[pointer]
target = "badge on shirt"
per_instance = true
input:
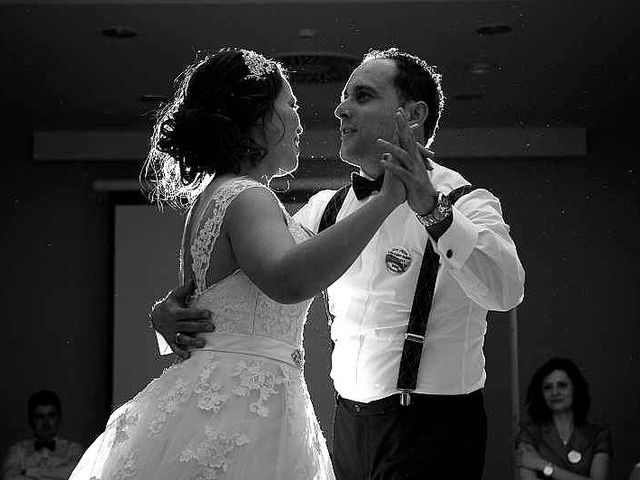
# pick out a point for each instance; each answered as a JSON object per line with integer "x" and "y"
{"x": 397, "y": 260}
{"x": 574, "y": 456}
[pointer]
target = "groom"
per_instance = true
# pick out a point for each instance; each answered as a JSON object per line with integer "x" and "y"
{"x": 409, "y": 403}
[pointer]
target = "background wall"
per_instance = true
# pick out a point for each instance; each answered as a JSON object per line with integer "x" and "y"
{"x": 575, "y": 221}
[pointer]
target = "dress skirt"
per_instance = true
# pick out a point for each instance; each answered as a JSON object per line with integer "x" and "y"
{"x": 217, "y": 415}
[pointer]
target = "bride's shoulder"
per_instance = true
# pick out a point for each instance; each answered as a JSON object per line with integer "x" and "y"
{"x": 234, "y": 185}
{"x": 242, "y": 194}
{"x": 220, "y": 192}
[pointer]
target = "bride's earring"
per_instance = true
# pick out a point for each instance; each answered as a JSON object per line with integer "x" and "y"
{"x": 287, "y": 188}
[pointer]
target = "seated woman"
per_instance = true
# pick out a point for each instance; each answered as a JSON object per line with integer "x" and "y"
{"x": 559, "y": 442}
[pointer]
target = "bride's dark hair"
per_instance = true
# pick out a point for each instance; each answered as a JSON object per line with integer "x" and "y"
{"x": 206, "y": 128}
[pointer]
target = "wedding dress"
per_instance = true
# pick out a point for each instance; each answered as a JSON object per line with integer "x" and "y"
{"x": 238, "y": 408}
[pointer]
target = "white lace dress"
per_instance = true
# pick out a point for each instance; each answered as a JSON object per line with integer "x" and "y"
{"x": 239, "y": 408}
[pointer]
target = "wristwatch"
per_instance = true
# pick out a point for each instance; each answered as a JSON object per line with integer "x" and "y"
{"x": 441, "y": 211}
{"x": 547, "y": 471}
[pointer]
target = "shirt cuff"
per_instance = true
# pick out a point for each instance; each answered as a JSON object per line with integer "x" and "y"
{"x": 458, "y": 241}
{"x": 163, "y": 346}
{"x": 437, "y": 230}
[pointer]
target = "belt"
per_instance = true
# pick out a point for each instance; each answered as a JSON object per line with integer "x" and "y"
{"x": 392, "y": 402}
{"x": 264, "y": 347}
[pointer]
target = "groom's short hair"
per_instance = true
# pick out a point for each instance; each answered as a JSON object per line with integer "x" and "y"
{"x": 415, "y": 80}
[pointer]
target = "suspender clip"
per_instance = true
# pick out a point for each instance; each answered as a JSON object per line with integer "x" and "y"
{"x": 414, "y": 338}
{"x": 405, "y": 398}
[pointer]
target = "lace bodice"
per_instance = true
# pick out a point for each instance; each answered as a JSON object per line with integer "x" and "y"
{"x": 237, "y": 304}
{"x": 236, "y": 409}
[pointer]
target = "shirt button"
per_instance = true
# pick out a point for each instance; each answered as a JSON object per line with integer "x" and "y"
{"x": 449, "y": 253}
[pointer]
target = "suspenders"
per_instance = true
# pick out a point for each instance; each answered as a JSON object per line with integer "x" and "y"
{"x": 419, "y": 315}
{"x": 421, "y": 307}
{"x": 329, "y": 218}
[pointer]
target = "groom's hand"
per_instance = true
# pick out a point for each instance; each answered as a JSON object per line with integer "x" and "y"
{"x": 413, "y": 164}
{"x": 178, "y": 323}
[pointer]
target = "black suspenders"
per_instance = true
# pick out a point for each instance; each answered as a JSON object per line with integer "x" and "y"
{"x": 419, "y": 315}
{"x": 421, "y": 307}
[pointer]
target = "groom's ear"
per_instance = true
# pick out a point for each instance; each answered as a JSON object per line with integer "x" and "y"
{"x": 417, "y": 112}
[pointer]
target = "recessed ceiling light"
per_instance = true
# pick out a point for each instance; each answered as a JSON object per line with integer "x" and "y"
{"x": 494, "y": 29}
{"x": 119, "y": 32}
{"x": 468, "y": 96}
{"x": 148, "y": 98}
{"x": 482, "y": 68}
{"x": 311, "y": 67}
{"x": 307, "y": 33}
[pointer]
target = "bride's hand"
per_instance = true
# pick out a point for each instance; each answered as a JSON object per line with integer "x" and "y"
{"x": 410, "y": 166}
{"x": 392, "y": 186}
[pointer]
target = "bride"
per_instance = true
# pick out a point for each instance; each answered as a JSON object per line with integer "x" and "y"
{"x": 238, "y": 408}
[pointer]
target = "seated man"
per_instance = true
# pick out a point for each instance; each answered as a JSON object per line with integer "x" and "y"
{"x": 45, "y": 456}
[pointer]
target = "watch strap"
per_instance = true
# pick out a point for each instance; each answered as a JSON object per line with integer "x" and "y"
{"x": 438, "y": 225}
{"x": 442, "y": 208}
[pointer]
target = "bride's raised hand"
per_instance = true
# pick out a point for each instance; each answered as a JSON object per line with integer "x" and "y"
{"x": 392, "y": 185}
{"x": 410, "y": 166}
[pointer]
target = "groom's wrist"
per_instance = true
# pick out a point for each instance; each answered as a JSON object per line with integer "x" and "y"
{"x": 439, "y": 220}
{"x": 428, "y": 206}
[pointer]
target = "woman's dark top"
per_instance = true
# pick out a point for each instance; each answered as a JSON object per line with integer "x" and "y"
{"x": 584, "y": 443}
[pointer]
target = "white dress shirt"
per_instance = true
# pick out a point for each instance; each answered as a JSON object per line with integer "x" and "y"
{"x": 24, "y": 462}
{"x": 479, "y": 271}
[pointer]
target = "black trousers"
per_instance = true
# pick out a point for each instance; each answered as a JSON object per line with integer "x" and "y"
{"x": 435, "y": 437}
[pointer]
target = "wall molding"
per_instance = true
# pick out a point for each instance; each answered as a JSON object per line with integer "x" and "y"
{"x": 497, "y": 142}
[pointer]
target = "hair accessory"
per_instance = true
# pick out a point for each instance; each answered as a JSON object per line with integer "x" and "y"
{"x": 258, "y": 65}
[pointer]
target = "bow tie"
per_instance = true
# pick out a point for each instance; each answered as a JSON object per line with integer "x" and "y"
{"x": 363, "y": 187}
{"x": 40, "y": 444}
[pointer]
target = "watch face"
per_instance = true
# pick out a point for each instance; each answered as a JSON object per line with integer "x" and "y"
{"x": 441, "y": 211}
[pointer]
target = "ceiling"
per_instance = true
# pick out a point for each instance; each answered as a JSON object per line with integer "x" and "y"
{"x": 565, "y": 63}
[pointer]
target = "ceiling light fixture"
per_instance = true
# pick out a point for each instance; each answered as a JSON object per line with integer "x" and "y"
{"x": 316, "y": 68}
{"x": 119, "y": 32}
{"x": 307, "y": 33}
{"x": 149, "y": 98}
{"x": 494, "y": 29}
{"x": 482, "y": 68}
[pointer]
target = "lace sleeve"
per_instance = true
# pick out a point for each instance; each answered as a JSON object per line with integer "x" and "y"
{"x": 209, "y": 224}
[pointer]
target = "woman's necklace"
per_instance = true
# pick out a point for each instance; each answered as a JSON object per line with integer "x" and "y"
{"x": 564, "y": 427}
{"x": 565, "y": 435}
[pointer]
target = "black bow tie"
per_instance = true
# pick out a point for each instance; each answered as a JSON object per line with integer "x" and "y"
{"x": 363, "y": 187}
{"x": 40, "y": 444}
